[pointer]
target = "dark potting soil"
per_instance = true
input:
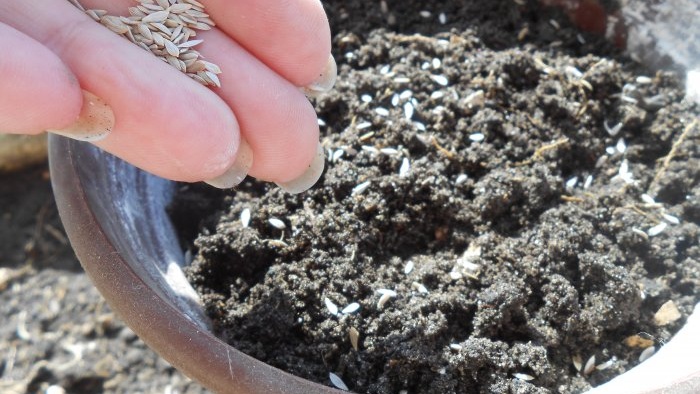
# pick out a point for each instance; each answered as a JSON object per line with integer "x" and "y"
{"x": 504, "y": 198}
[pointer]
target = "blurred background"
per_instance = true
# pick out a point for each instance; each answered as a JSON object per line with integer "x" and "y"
{"x": 57, "y": 334}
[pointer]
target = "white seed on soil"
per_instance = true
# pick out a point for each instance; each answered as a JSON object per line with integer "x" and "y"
{"x": 606, "y": 365}
{"x": 408, "y": 267}
{"x": 671, "y": 219}
{"x": 641, "y": 233}
{"x": 461, "y": 178}
{"x": 440, "y": 79}
{"x": 643, "y": 80}
{"x": 321, "y": 122}
{"x": 436, "y": 95}
{"x": 425, "y": 14}
{"x": 338, "y": 382}
{"x": 395, "y": 99}
{"x": 389, "y": 151}
{"x": 442, "y": 18}
{"x": 386, "y": 295}
{"x": 647, "y": 199}
{"x": 408, "y": 110}
{"x": 419, "y": 287}
{"x": 337, "y": 155}
{"x": 610, "y": 150}
{"x": 456, "y": 347}
{"x": 646, "y": 353}
{"x": 590, "y": 366}
{"x": 381, "y": 111}
{"x": 351, "y": 308}
{"x": 277, "y": 223}
{"x": 405, "y": 168}
{"x": 402, "y": 80}
{"x": 523, "y": 376}
{"x": 363, "y": 125}
{"x": 436, "y": 63}
{"x": 588, "y": 182}
{"x": 571, "y": 183}
{"x": 476, "y": 99}
{"x": 406, "y": 94}
{"x": 360, "y": 188}
{"x": 658, "y": 229}
{"x": 370, "y": 149}
{"x": 366, "y": 98}
{"x": 331, "y": 306}
{"x": 621, "y": 146}
{"x": 245, "y": 217}
{"x": 477, "y": 137}
{"x": 420, "y": 126}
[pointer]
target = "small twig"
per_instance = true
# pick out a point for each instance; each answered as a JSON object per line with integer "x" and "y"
{"x": 672, "y": 153}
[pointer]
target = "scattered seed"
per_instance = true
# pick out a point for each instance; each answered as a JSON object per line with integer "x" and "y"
{"x": 588, "y": 182}
{"x": 425, "y": 14}
{"x": 590, "y": 366}
{"x": 606, "y": 365}
{"x": 366, "y": 98}
{"x": 419, "y": 287}
{"x": 658, "y": 229}
{"x": 442, "y": 18}
{"x": 277, "y": 223}
{"x": 381, "y": 111}
{"x": 354, "y": 337}
{"x": 646, "y": 353}
{"x": 643, "y": 80}
{"x": 360, "y": 188}
{"x": 440, "y": 79}
{"x": 477, "y": 137}
{"x": 523, "y": 376}
{"x": 667, "y": 314}
{"x": 671, "y": 219}
{"x": 351, "y": 308}
{"x": 571, "y": 183}
{"x": 337, "y": 155}
{"x": 621, "y": 146}
{"x": 408, "y": 267}
{"x": 338, "y": 382}
{"x": 389, "y": 151}
{"x": 331, "y": 306}
{"x": 476, "y": 99}
{"x": 641, "y": 233}
{"x": 461, "y": 178}
{"x": 245, "y": 217}
{"x": 456, "y": 347}
{"x": 578, "y": 363}
{"x": 647, "y": 199}
{"x": 405, "y": 168}
{"x": 408, "y": 110}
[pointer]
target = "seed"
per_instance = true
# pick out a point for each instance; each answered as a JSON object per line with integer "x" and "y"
{"x": 354, "y": 337}
{"x": 578, "y": 363}
{"x": 523, "y": 376}
{"x": 456, "y": 347}
{"x": 332, "y": 307}
{"x": 440, "y": 79}
{"x": 590, "y": 366}
{"x": 405, "y": 168}
{"x": 360, "y": 188}
{"x": 245, "y": 217}
{"x": 338, "y": 382}
{"x": 408, "y": 267}
{"x": 658, "y": 229}
{"x": 277, "y": 223}
{"x": 351, "y": 308}
{"x": 671, "y": 219}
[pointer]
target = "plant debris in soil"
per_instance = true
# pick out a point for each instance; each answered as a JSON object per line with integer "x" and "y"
{"x": 507, "y": 204}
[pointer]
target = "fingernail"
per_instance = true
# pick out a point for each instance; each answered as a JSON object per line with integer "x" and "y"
{"x": 238, "y": 171}
{"x": 309, "y": 177}
{"x": 95, "y": 122}
{"x": 325, "y": 80}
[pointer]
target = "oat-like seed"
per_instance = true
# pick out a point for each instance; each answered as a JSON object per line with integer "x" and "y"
{"x": 338, "y": 382}
{"x": 351, "y": 308}
{"x": 440, "y": 79}
{"x": 658, "y": 229}
{"x": 647, "y": 199}
{"x": 590, "y": 366}
{"x": 419, "y": 287}
{"x": 332, "y": 307}
{"x": 245, "y": 217}
{"x": 354, "y": 337}
{"x": 477, "y": 137}
{"x": 523, "y": 376}
{"x": 578, "y": 363}
{"x": 606, "y": 365}
{"x": 360, "y": 188}
{"x": 456, "y": 347}
{"x": 671, "y": 219}
{"x": 383, "y": 300}
{"x": 277, "y": 223}
{"x": 408, "y": 267}
{"x": 156, "y": 17}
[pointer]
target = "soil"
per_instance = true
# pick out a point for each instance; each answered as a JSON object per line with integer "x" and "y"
{"x": 56, "y": 329}
{"x": 542, "y": 186}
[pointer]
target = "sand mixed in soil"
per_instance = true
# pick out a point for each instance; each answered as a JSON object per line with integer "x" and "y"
{"x": 504, "y": 198}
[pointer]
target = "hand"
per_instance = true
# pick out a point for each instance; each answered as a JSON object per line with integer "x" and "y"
{"x": 57, "y": 62}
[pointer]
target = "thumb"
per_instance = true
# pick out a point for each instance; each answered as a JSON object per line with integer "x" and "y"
{"x": 37, "y": 91}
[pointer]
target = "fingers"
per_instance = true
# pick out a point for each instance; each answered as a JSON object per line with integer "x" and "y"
{"x": 165, "y": 123}
{"x": 274, "y": 116}
{"x": 37, "y": 91}
{"x": 292, "y": 37}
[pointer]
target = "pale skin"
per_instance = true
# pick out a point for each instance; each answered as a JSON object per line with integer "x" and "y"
{"x": 166, "y": 123}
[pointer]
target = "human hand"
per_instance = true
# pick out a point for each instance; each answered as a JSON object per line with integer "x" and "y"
{"x": 164, "y": 122}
